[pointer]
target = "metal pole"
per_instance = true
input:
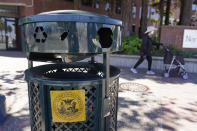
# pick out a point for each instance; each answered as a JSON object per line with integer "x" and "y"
{"x": 30, "y": 64}
{"x": 92, "y": 59}
{"x": 106, "y": 66}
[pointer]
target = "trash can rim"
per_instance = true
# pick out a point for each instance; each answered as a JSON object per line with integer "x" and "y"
{"x": 30, "y": 75}
{"x": 51, "y": 81}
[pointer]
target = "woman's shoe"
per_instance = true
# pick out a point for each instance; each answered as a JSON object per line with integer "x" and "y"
{"x": 150, "y": 72}
{"x": 134, "y": 70}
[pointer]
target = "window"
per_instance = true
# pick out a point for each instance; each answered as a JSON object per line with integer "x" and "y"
{"x": 148, "y": 15}
{"x": 194, "y": 7}
{"x": 148, "y": 12}
{"x": 134, "y": 11}
{"x": 91, "y": 3}
{"x": 133, "y": 27}
{"x": 87, "y": 2}
{"x": 154, "y": 14}
{"x": 107, "y": 6}
{"x": 140, "y": 14}
{"x": 118, "y": 6}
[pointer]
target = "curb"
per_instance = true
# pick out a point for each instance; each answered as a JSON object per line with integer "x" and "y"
{"x": 157, "y": 63}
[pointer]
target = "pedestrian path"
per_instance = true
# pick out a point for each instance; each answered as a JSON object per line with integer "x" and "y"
{"x": 150, "y": 103}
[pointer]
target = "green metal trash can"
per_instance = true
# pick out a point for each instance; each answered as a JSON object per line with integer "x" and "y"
{"x": 70, "y": 95}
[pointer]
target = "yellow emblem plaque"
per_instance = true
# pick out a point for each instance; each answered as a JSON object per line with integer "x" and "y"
{"x": 68, "y": 105}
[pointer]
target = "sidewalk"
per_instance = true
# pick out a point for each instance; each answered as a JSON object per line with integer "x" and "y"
{"x": 169, "y": 104}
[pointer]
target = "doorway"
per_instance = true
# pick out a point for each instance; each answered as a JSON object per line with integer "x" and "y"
{"x": 8, "y": 33}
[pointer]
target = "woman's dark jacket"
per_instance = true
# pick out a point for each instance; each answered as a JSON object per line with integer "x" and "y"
{"x": 147, "y": 43}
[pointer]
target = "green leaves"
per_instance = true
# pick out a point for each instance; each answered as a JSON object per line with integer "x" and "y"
{"x": 131, "y": 45}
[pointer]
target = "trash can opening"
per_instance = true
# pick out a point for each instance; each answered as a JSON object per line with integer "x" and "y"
{"x": 71, "y": 72}
{"x": 105, "y": 37}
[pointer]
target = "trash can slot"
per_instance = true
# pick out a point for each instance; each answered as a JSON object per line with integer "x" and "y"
{"x": 105, "y": 37}
{"x": 64, "y": 35}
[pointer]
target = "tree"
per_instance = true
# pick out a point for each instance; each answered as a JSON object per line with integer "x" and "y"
{"x": 159, "y": 4}
{"x": 185, "y": 12}
{"x": 112, "y": 8}
{"x": 161, "y": 10}
{"x": 77, "y": 4}
{"x": 168, "y": 5}
{"x": 126, "y": 11}
{"x": 143, "y": 21}
{"x": 1, "y": 29}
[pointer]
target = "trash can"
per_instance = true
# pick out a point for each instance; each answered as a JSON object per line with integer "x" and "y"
{"x": 68, "y": 94}
{"x": 2, "y": 109}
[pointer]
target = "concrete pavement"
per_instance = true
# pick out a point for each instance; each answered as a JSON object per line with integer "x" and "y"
{"x": 169, "y": 104}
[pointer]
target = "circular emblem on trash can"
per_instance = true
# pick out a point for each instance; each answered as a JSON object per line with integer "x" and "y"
{"x": 68, "y": 106}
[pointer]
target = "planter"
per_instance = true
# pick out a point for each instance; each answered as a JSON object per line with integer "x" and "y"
{"x": 130, "y": 60}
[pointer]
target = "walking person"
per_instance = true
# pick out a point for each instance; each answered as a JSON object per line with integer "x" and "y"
{"x": 145, "y": 50}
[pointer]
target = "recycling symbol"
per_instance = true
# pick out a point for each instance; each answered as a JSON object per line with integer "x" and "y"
{"x": 40, "y": 35}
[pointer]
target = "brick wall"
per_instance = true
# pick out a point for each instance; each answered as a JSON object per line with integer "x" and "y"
{"x": 174, "y": 35}
{"x": 27, "y": 2}
{"x": 50, "y": 5}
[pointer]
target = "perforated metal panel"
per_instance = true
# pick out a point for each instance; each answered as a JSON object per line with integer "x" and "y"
{"x": 114, "y": 102}
{"x": 35, "y": 109}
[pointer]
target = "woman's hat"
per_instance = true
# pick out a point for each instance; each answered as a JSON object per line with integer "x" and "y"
{"x": 150, "y": 28}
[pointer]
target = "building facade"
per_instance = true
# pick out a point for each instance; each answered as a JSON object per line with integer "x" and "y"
{"x": 12, "y": 10}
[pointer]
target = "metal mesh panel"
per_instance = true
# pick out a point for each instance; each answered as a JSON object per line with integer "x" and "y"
{"x": 114, "y": 102}
{"x": 91, "y": 112}
{"x": 35, "y": 109}
{"x": 68, "y": 73}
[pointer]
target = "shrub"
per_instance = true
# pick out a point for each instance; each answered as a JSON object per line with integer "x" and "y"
{"x": 131, "y": 45}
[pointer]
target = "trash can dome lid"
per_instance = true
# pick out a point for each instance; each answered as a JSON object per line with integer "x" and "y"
{"x": 71, "y": 16}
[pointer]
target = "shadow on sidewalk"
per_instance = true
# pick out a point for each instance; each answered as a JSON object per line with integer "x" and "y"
{"x": 12, "y": 123}
{"x": 145, "y": 112}
{"x": 11, "y": 78}
{"x": 18, "y": 54}
{"x": 158, "y": 77}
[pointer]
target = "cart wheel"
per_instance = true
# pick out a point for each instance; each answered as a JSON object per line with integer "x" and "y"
{"x": 185, "y": 76}
{"x": 166, "y": 75}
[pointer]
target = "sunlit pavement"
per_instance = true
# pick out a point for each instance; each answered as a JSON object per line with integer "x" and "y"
{"x": 169, "y": 104}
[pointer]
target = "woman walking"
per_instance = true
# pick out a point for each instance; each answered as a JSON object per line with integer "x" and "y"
{"x": 145, "y": 50}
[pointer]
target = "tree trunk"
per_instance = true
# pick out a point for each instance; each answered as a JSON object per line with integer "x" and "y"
{"x": 181, "y": 11}
{"x": 112, "y": 8}
{"x": 101, "y": 4}
{"x": 126, "y": 9}
{"x": 186, "y": 12}
{"x": 76, "y": 4}
{"x": 143, "y": 21}
{"x": 161, "y": 10}
{"x": 168, "y": 5}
